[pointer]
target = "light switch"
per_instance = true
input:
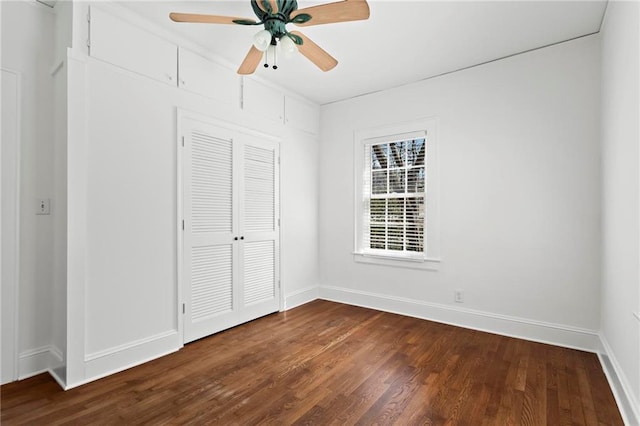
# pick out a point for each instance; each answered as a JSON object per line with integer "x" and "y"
{"x": 44, "y": 206}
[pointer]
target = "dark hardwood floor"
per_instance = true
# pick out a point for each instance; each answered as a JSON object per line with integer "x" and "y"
{"x": 328, "y": 363}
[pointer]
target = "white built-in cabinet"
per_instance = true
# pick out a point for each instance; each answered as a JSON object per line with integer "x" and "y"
{"x": 211, "y": 215}
{"x": 231, "y": 241}
{"x": 127, "y": 46}
{"x": 268, "y": 102}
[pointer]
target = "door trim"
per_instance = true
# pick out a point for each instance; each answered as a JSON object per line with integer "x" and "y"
{"x": 181, "y": 115}
{"x": 15, "y": 290}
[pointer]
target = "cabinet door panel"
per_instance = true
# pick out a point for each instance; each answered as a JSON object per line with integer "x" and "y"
{"x": 302, "y": 115}
{"x": 262, "y": 100}
{"x": 204, "y": 77}
{"x": 122, "y": 44}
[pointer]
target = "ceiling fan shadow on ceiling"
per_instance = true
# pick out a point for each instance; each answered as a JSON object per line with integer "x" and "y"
{"x": 274, "y": 15}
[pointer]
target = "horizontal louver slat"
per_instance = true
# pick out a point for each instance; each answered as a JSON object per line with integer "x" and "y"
{"x": 211, "y": 281}
{"x": 259, "y": 272}
{"x": 259, "y": 198}
{"x": 211, "y": 183}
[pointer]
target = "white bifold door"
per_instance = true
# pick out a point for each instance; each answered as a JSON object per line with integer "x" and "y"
{"x": 231, "y": 240}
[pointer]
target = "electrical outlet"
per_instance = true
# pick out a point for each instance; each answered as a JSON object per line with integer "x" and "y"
{"x": 458, "y": 296}
{"x": 44, "y": 206}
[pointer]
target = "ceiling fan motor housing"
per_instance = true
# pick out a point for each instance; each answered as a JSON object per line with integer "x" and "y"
{"x": 275, "y": 21}
{"x": 264, "y": 8}
{"x": 275, "y": 25}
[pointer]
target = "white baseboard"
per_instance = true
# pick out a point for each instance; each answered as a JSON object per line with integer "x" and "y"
{"x": 124, "y": 347}
{"x": 113, "y": 360}
{"x": 522, "y": 328}
{"x": 300, "y": 297}
{"x": 60, "y": 375}
{"x": 622, "y": 391}
{"x": 38, "y": 360}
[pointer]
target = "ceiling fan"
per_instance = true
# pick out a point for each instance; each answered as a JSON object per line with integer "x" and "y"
{"x": 275, "y": 15}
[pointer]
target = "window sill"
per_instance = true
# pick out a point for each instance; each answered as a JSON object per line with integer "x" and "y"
{"x": 430, "y": 264}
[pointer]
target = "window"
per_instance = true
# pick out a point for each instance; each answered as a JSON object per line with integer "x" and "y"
{"x": 397, "y": 196}
{"x": 394, "y": 196}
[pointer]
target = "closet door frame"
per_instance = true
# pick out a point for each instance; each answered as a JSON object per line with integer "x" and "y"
{"x": 181, "y": 115}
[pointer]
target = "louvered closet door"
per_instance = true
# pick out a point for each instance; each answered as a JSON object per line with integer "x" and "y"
{"x": 210, "y": 251}
{"x": 231, "y": 231}
{"x": 259, "y": 213}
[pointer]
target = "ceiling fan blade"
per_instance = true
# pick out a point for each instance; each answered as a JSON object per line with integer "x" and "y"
{"x": 315, "y": 53}
{"x": 251, "y": 61}
{"x": 342, "y": 11}
{"x": 206, "y": 19}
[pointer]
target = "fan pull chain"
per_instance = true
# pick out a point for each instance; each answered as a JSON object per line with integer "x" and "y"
{"x": 275, "y": 58}
{"x": 272, "y": 48}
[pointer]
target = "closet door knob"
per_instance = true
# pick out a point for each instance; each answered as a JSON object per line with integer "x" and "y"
{"x": 242, "y": 238}
{"x": 235, "y": 238}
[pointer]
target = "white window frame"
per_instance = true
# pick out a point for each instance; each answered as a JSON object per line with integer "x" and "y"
{"x": 430, "y": 259}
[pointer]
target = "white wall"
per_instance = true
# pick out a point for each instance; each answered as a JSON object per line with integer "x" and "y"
{"x": 621, "y": 196}
{"x": 519, "y": 197}
{"x": 27, "y": 46}
{"x": 9, "y": 194}
{"x": 299, "y": 208}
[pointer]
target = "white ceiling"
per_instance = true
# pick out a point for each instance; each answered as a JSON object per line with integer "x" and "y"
{"x": 402, "y": 42}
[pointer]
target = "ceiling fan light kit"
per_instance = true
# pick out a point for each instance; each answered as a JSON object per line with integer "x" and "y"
{"x": 274, "y": 15}
{"x": 288, "y": 47}
{"x": 262, "y": 40}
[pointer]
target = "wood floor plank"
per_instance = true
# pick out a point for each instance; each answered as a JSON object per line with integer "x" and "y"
{"x": 327, "y": 363}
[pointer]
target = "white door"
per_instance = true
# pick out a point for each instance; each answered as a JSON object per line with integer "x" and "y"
{"x": 9, "y": 230}
{"x": 231, "y": 238}
{"x": 259, "y": 228}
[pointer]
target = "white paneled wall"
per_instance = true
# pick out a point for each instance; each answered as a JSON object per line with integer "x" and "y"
{"x": 130, "y": 309}
{"x": 131, "y": 195}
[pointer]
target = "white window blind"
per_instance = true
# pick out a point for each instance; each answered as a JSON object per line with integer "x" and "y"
{"x": 394, "y": 193}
